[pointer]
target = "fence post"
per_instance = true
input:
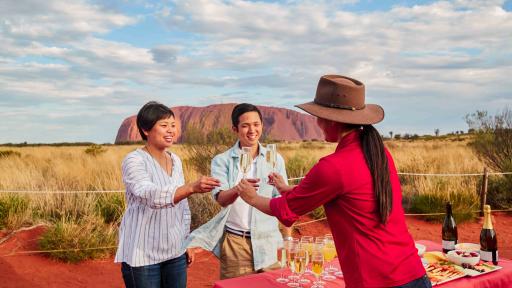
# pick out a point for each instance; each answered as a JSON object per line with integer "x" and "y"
{"x": 483, "y": 191}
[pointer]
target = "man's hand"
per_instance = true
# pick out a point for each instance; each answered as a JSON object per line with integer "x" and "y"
{"x": 191, "y": 255}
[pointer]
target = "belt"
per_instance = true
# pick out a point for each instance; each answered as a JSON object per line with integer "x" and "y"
{"x": 245, "y": 234}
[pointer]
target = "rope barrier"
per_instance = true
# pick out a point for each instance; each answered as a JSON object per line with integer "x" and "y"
{"x": 57, "y": 250}
{"x": 289, "y": 179}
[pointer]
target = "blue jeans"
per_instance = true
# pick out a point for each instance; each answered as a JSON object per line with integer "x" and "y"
{"x": 421, "y": 282}
{"x": 169, "y": 274}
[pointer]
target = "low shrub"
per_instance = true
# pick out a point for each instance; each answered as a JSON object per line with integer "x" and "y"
{"x": 203, "y": 208}
{"x": 499, "y": 192}
{"x": 111, "y": 207}
{"x": 299, "y": 164}
{"x": 95, "y": 150}
{"x": 12, "y": 209}
{"x": 79, "y": 238}
{"x": 464, "y": 205}
{"x": 9, "y": 153}
{"x": 318, "y": 213}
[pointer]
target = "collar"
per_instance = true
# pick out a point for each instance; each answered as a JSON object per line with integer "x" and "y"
{"x": 235, "y": 150}
{"x": 348, "y": 139}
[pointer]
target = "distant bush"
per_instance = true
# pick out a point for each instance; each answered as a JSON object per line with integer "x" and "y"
{"x": 493, "y": 145}
{"x": 81, "y": 235}
{"x": 299, "y": 164}
{"x": 464, "y": 204}
{"x": 12, "y": 206}
{"x": 203, "y": 208}
{"x": 95, "y": 150}
{"x": 9, "y": 153}
{"x": 318, "y": 213}
{"x": 111, "y": 207}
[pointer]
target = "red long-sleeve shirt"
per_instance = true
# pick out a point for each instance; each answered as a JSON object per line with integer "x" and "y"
{"x": 370, "y": 254}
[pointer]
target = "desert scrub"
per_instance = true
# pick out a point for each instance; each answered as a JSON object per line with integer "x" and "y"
{"x": 95, "y": 150}
{"x": 110, "y": 207}
{"x": 464, "y": 205}
{"x": 9, "y": 153}
{"x": 13, "y": 210}
{"x": 203, "y": 208}
{"x": 79, "y": 238}
{"x": 299, "y": 164}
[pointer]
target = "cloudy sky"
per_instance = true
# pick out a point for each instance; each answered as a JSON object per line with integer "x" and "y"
{"x": 73, "y": 70}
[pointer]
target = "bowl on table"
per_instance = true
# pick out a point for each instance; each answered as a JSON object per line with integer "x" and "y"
{"x": 460, "y": 257}
{"x": 468, "y": 247}
{"x": 421, "y": 248}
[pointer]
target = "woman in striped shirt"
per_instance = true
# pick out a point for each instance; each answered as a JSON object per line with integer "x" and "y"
{"x": 157, "y": 218}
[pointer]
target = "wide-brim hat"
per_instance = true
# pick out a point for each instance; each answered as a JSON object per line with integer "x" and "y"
{"x": 342, "y": 99}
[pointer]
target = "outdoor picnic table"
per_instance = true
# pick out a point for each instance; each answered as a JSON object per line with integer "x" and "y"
{"x": 498, "y": 279}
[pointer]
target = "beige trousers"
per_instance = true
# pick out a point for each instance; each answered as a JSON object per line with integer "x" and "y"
{"x": 235, "y": 256}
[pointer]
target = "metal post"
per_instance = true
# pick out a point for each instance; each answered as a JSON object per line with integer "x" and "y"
{"x": 483, "y": 191}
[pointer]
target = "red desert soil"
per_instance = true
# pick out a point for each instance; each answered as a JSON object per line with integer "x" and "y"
{"x": 37, "y": 270}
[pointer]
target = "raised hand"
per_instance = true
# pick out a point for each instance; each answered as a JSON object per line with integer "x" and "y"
{"x": 246, "y": 188}
{"x": 278, "y": 181}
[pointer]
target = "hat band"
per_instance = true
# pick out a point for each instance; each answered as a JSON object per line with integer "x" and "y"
{"x": 337, "y": 106}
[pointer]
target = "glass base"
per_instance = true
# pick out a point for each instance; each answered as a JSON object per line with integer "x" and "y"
{"x": 293, "y": 277}
{"x": 282, "y": 280}
{"x": 338, "y": 274}
{"x": 293, "y": 284}
{"x": 329, "y": 278}
{"x": 304, "y": 281}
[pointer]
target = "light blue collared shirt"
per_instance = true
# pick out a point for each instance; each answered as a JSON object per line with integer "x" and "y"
{"x": 265, "y": 234}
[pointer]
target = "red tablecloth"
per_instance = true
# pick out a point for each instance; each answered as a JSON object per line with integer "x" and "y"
{"x": 498, "y": 279}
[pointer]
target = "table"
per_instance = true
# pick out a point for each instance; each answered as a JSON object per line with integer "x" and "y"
{"x": 498, "y": 279}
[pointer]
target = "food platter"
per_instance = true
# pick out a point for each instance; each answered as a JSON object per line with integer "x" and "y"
{"x": 443, "y": 272}
{"x": 481, "y": 269}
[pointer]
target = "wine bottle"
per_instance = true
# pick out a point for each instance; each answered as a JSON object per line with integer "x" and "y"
{"x": 488, "y": 240}
{"x": 449, "y": 232}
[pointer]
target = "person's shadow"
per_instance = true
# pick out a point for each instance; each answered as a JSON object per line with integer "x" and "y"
{"x": 9, "y": 278}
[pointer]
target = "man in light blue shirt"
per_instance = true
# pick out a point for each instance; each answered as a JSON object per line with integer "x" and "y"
{"x": 244, "y": 238}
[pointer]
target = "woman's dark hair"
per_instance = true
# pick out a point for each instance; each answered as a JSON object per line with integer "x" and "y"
{"x": 149, "y": 114}
{"x": 242, "y": 108}
{"x": 375, "y": 155}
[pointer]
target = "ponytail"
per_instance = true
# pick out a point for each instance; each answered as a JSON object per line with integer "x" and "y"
{"x": 375, "y": 155}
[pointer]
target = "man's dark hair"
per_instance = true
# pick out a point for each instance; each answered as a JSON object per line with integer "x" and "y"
{"x": 242, "y": 108}
{"x": 149, "y": 114}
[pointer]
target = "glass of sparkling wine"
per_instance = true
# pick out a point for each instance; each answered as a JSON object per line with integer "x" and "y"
{"x": 300, "y": 264}
{"x": 317, "y": 261}
{"x": 329, "y": 253}
{"x": 271, "y": 157}
{"x": 329, "y": 242}
{"x": 281, "y": 258}
{"x": 307, "y": 243}
{"x": 245, "y": 161}
{"x": 292, "y": 251}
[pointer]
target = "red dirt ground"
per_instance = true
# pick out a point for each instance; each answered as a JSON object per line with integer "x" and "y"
{"x": 39, "y": 271}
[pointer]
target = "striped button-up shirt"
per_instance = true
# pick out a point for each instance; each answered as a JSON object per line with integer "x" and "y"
{"x": 153, "y": 227}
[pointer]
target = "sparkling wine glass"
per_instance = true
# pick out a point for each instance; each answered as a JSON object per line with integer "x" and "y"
{"x": 307, "y": 243}
{"x": 329, "y": 253}
{"x": 293, "y": 246}
{"x": 317, "y": 264}
{"x": 300, "y": 264}
{"x": 245, "y": 161}
{"x": 271, "y": 158}
{"x": 329, "y": 242}
{"x": 281, "y": 258}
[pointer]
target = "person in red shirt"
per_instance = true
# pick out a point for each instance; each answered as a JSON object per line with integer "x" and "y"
{"x": 359, "y": 188}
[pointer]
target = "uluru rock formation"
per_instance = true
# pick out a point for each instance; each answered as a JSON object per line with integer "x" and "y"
{"x": 278, "y": 123}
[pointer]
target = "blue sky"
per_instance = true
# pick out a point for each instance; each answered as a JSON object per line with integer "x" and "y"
{"x": 73, "y": 70}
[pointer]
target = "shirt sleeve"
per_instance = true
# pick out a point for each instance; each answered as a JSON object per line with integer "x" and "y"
{"x": 321, "y": 185}
{"x": 220, "y": 170}
{"x": 138, "y": 181}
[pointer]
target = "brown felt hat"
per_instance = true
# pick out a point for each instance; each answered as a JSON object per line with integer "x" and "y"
{"x": 341, "y": 99}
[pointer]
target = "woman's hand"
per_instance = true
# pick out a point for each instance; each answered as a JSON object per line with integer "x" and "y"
{"x": 277, "y": 181}
{"x": 205, "y": 184}
{"x": 246, "y": 188}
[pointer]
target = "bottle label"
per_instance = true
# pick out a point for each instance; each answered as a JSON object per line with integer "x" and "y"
{"x": 448, "y": 245}
{"x": 487, "y": 256}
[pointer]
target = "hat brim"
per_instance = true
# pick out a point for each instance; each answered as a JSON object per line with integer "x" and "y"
{"x": 370, "y": 114}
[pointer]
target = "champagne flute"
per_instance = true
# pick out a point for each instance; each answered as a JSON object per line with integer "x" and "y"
{"x": 271, "y": 157}
{"x": 281, "y": 258}
{"x": 329, "y": 241}
{"x": 300, "y": 264}
{"x": 317, "y": 260}
{"x": 292, "y": 250}
{"x": 329, "y": 252}
{"x": 307, "y": 243}
{"x": 245, "y": 161}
